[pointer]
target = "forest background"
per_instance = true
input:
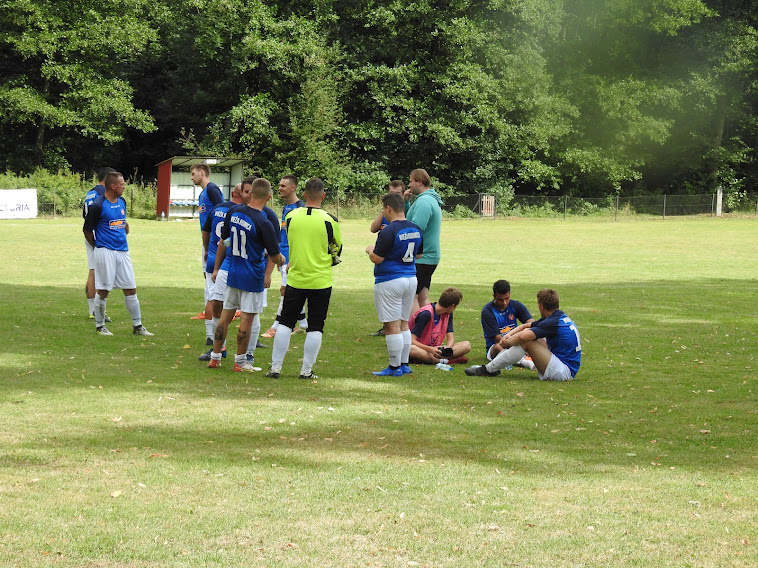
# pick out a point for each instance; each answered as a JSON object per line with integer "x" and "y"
{"x": 576, "y": 97}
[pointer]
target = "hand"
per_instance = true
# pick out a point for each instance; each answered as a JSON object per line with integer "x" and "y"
{"x": 213, "y": 276}
{"x": 369, "y": 249}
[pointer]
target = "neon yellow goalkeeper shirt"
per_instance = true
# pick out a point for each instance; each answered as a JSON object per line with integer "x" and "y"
{"x": 315, "y": 245}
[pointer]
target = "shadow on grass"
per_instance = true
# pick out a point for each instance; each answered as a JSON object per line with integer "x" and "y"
{"x": 622, "y": 411}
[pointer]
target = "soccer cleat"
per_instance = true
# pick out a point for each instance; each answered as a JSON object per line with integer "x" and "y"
{"x": 92, "y": 316}
{"x": 208, "y": 341}
{"x": 260, "y": 345}
{"x": 102, "y": 331}
{"x": 480, "y": 371}
{"x": 389, "y": 372}
{"x": 140, "y": 330}
{"x": 379, "y": 333}
{"x": 244, "y": 368}
{"x": 200, "y": 316}
{"x": 271, "y": 332}
{"x": 406, "y": 369}
{"x": 309, "y": 376}
{"x": 298, "y": 330}
{"x": 272, "y": 374}
{"x": 207, "y": 355}
{"x": 107, "y": 319}
{"x": 214, "y": 364}
{"x": 457, "y": 360}
{"x": 249, "y": 358}
{"x": 527, "y": 363}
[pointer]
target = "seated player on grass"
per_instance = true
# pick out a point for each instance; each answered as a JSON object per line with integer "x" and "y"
{"x": 432, "y": 337}
{"x": 552, "y": 341}
{"x": 500, "y": 316}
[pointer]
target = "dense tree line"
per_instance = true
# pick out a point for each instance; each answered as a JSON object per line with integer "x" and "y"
{"x": 582, "y": 97}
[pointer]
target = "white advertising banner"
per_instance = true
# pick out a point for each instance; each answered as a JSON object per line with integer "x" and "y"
{"x": 18, "y": 203}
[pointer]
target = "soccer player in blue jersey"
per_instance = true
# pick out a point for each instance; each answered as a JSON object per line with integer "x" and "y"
{"x": 209, "y": 197}
{"x": 245, "y": 235}
{"x": 394, "y": 256}
{"x": 89, "y": 198}
{"x": 211, "y": 236}
{"x": 553, "y": 342}
{"x": 288, "y": 193}
{"x": 500, "y": 316}
{"x": 395, "y": 186}
{"x": 105, "y": 228}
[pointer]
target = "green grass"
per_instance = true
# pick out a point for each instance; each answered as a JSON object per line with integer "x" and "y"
{"x": 127, "y": 451}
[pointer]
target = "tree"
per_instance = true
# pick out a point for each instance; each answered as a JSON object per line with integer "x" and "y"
{"x": 62, "y": 75}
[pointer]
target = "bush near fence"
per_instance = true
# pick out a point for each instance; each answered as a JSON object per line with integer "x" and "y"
{"x": 62, "y": 194}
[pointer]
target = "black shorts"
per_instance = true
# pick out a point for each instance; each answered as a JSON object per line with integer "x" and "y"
{"x": 424, "y": 276}
{"x": 318, "y": 306}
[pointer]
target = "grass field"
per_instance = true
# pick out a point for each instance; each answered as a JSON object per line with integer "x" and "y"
{"x": 127, "y": 452}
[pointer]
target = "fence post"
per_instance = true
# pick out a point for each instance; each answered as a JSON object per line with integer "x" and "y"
{"x": 54, "y": 203}
{"x": 664, "y": 206}
{"x": 719, "y": 200}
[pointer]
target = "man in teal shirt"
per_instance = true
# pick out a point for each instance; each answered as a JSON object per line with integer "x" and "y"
{"x": 425, "y": 212}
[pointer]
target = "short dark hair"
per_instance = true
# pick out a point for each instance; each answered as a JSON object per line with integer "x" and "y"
{"x": 397, "y": 183}
{"x": 111, "y": 178}
{"x": 261, "y": 188}
{"x": 292, "y": 179}
{"x": 501, "y": 287}
{"x": 102, "y": 172}
{"x": 203, "y": 168}
{"x": 450, "y": 297}
{"x": 394, "y": 201}
{"x": 249, "y": 180}
{"x": 548, "y": 298}
{"x": 314, "y": 187}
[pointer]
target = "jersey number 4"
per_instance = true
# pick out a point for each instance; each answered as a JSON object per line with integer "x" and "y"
{"x": 409, "y": 256}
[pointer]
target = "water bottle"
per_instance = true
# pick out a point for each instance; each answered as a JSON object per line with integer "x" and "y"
{"x": 444, "y": 367}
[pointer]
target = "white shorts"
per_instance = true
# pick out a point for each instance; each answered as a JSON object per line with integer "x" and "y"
{"x": 209, "y": 285}
{"x": 283, "y": 271}
{"x": 394, "y": 299}
{"x": 219, "y": 286}
{"x": 248, "y": 302}
{"x": 556, "y": 370}
{"x": 113, "y": 269}
{"x": 90, "y": 255}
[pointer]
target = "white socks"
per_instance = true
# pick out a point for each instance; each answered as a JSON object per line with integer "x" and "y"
{"x": 406, "y": 353}
{"x": 255, "y": 331}
{"x": 506, "y": 358}
{"x": 395, "y": 348}
{"x": 99, "y": 310}
{"x": 132, "y": 306}
{"x": 279, "y": 349}
{"x": 311, "y": 347}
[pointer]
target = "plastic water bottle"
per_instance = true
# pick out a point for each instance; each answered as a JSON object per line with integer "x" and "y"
{"x": 444, "y": 367}
{"x": 509, "y": 367}
{"x": 163, "y": 215}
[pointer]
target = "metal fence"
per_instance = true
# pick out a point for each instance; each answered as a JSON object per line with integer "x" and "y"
{"x": 363, "y": 204}
{"x": 357, "y": 204}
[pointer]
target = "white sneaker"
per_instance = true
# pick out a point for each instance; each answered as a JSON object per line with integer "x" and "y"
{"x": 140, "y": 330}
{"x": 102, "y": 330}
